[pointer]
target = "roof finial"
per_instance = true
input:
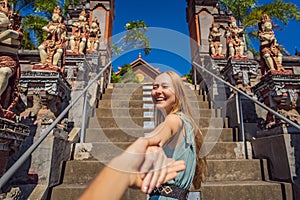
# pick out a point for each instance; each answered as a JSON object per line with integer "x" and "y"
{"x": 140, "y": 55}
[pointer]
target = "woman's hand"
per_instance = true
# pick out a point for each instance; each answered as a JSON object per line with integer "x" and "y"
{"x": 147, "y": 164}
{"x": 158, "y": 169}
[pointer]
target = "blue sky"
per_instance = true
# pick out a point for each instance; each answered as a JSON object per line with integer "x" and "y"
{"x": 168, "y": 32}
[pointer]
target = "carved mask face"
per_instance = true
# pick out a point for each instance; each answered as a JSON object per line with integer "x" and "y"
{"x": 4, "y": 21}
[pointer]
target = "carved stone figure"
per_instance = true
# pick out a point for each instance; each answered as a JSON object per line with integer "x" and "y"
{"x": 215, "y": 45}
{"x": 272, "y": 58}
{"x": 234, "y": 39}
{"x": 94, "y": 36}
{"x": 10, "y": 40}
{"x": 53, "y": 48}
{"x": 79, "y": 36}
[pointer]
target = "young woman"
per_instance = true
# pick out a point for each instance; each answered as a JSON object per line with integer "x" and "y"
{"x": 179, "y": 136}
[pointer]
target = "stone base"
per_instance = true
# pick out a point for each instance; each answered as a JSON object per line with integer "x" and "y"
{"x": 275, "y": 72}
{"x": 46, "y": 67}
{"x": 282, "y": 154}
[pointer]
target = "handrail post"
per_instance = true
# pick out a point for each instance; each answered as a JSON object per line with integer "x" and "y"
{"x": 195, "y": 78}
{"x": 242, "y": 129}
{"x": 83, "y": 122}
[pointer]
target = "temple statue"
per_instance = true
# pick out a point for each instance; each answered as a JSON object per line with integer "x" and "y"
{"x": 10, "y": 40}
{"x": 94, "y": 36}
{"x": 79, "y": 36}
{"x": 234, "y": 39}
{"x": 53, "y": 48}
{"x": 215, "y": 45}
{"x": 272, "y": 58}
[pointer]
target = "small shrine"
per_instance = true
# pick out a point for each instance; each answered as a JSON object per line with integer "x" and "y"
{"x": 227, "y": 50}
{"x": 12, "y": 133}
{"x": 278, "y": 88}
{"x": 47, "y": 91}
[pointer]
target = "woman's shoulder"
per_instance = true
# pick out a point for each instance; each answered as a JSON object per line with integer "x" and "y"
{"x": 174, "y": 121}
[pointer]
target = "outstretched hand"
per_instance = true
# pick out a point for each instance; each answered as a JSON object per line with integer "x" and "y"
{"x": 148, "y": 165}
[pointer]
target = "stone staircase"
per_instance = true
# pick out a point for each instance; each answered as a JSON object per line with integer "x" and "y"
{"x": 124, "y": 113}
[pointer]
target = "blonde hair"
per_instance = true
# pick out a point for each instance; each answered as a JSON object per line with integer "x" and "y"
{"x": 182, "y": 105}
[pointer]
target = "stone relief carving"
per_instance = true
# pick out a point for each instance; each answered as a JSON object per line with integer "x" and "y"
{"x": 53, "y": 48}
{"x": 234, "y": 40}
{"x": 271, "y": 55}
{"x": 215, "y": 45}
{"x": 80, "y": 29}
{"x": 94, "y": 36}
{"x": 10, "y": 40}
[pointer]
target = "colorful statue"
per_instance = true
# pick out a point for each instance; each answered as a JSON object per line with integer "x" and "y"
{"x": 234, "y": 39}
{"x": 79, "y": 34}
{"x": 215, "y": 45}
{"x": 94, "y": 36}
{"x": 10, "y": 40}
{"x": 53, "y": 48}
{"x": 272, "y": 58}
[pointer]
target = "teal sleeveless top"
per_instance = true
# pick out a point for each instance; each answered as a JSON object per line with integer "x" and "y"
{"x": 186, "y": 151}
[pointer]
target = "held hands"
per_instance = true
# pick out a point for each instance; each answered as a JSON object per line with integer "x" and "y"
{"x": 147, "y": 164}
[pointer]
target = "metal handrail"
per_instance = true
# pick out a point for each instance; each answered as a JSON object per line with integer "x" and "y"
{"x": 46, "y": 132}
{"x": 249, "y": 97}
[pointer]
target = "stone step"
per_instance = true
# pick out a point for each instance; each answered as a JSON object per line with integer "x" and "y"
{"x": 135, "y": 96}
{"x": 105, "y": 151}
{"x": 226, "y": 150}
{"x": 140, "y": 122}
{"x": 131, "y": 134}
{"x": 73, "y": 192}
{"x": 246, "y": 190}
{"x": 82, "y": 172}
{"x": 225, "y": 190}
{"x": 139, "y": 104}
{"x": 140, "y": 112}
{"x": 237, "y": 170}
{"x": 140, "y": 90}
{"x": 122, "y": 85}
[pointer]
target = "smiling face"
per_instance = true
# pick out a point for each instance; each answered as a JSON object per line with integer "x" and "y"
{"x": 163, "y": 94}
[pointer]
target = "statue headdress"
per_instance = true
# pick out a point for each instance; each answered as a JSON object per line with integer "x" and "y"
{"x": 57, "y": 10}
{"x": 265, "y": 18}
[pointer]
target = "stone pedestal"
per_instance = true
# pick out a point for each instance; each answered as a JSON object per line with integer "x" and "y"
{"x": 12, "y": 134}
{"x": 240, "y": 73}
{"x": 45, "y": 93}
{"x": 282, "y": 153}
{"x": 279, "y": 91}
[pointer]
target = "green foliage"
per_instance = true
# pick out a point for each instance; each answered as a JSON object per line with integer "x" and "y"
{"x": 189, "y": 77}
{"x": 69, "y": 2}
{"x": 35, "y": 23}
{"x": 135, "y": 37}
{"x": 125, "y": 75}
{"x": 115, "y": 78}
{"x": 45, "y": 6}
{"x": 248, "y": 13}
{"x": 26, "y": 42}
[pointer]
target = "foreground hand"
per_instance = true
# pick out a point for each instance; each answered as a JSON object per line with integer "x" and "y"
{"x": 147, "y": 164}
